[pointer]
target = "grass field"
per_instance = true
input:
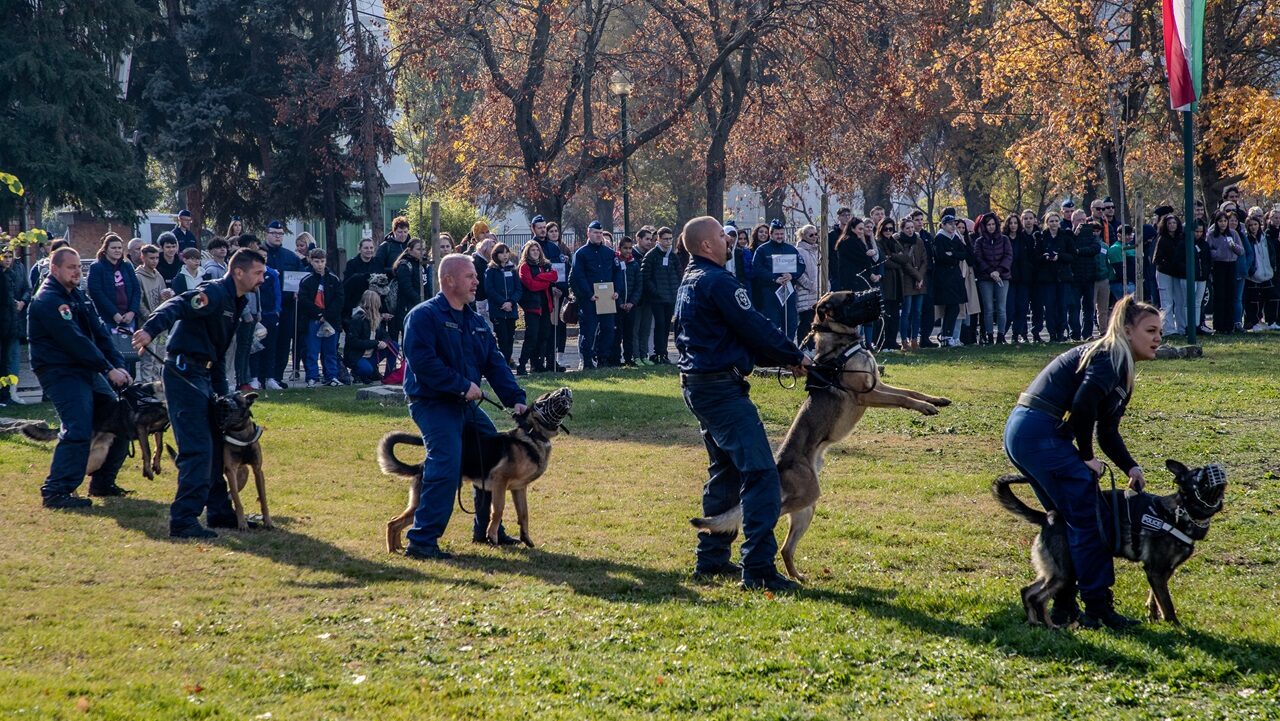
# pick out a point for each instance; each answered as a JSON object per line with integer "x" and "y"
{"x": 911, "y": 610}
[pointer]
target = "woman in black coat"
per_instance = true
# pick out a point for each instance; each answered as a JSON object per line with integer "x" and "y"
{"x": 1054, "y": 252}
{"x": 949, "y": 291}
{"x": 1022, "y": 285}
{"x": 368, "y": 343}
{"x": 409, "y": 281}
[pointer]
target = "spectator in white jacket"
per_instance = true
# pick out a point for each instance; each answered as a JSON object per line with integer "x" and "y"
{"x": 807, "y": 282}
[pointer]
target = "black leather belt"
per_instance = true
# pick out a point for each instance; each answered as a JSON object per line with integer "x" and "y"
{"x": 1037, "y": 403}
{"x": 183, "y": 362}
{"x": 691, "y": 379}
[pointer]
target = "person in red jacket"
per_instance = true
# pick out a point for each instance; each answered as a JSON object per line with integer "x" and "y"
{"x": 537, "y": 277}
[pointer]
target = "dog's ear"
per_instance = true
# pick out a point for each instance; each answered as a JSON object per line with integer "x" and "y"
{"x": 250, "y": 397}
{"x": 1177, "y": 469}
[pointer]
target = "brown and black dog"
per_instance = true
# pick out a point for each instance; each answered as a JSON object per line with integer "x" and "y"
{"x": 241, "y": 451}
{"x": 842, "y": 384}
{"x": 1157, "y": 531}
{"x": 509, "y": 461}
{"x": 140, "y": 414}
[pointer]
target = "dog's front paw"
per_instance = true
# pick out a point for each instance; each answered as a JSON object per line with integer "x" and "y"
{"x": 266, "y": 522}
{"x": 941, "y": 402}
{"x": 928, "y": 410}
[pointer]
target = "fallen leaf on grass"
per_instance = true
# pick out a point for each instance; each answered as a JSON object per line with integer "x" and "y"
{"x": 193, "y": 688}
{"x": 82, "y": 705}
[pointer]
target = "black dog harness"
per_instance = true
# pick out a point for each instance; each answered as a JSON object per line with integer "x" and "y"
{"x": 828, "y": 374}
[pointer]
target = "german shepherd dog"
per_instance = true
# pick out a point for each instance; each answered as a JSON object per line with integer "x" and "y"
{"x": 1157, "y": 531}
{"x": 241, "y": 451}
{"x": 140, "y": 414}
{"x": 509, "y": 461}
{"x": 843, "y": 383}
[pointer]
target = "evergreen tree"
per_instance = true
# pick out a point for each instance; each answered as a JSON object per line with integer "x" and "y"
{"x": 63, "y": 114}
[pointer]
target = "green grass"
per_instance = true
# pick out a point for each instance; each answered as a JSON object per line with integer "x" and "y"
{"x": 911, "y": 610}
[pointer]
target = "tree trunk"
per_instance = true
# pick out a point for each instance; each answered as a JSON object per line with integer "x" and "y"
{"x": 977, "y": 199}
{"x": 1111, "y": 172}
{"x": 331, "y": 220}
{"x": 774, "y": 203}
{"x": 551, "y": 207}
{"x": 604, "y": 211}
{"x": 876, "y": 191}
{"x": 715, "y": 185}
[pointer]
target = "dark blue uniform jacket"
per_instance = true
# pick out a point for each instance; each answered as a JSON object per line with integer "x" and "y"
{"x": 203, "y": 321}
{"x": 66, "y": 332}
{"x": 447, "y": 350}
{"x": 594, "y": 263}
{"x": 717, "y": 329}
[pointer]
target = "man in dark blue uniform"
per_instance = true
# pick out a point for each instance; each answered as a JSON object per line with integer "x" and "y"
{"x": 204, "y": 323}
{"x": 594, "y": 263}
{"x": 720, "y": 337}
{"x": 447, "y": 348}
{"x": 71, "y": 351}
{"x": 282, "y": 335}
{"x": 186, "y": 239}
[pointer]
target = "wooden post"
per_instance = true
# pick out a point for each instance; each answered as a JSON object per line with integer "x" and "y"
{"x": 824, "y": 263}
{"x": 435, "y": 235}
{"x": 1139, "y": 213}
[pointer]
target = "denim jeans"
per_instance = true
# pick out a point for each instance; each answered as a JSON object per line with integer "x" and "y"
{"x": 909, "y": 317}
{"x": 992, "y": 295}
{"x": 325, "y": 349}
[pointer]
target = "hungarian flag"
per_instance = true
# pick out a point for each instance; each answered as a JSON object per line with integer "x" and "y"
{"x": 1184, "y": 50}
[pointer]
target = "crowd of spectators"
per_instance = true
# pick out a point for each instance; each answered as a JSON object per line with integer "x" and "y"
{"x": 1024, "y": 279}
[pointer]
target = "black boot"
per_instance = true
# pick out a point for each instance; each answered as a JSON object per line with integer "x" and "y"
{"x": 1101, "y": 611}
{"x": 1000, "y": 339}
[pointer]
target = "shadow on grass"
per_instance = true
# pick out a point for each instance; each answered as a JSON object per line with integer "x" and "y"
{"x": 600, "y": 578}
{"x": 279, "y": 545}
{"x": 1007, "y": 629}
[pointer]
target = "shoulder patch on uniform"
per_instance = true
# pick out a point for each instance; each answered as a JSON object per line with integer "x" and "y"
{"x": 64, "y": 310}
{"x": 744, "y": 300}
{"x": 199, "y": 300}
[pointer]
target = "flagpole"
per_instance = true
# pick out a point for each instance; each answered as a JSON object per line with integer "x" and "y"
{"x": 1193, "y": 310}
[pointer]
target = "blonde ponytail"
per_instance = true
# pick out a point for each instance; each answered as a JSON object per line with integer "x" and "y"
{"x": 1127, "y": 312}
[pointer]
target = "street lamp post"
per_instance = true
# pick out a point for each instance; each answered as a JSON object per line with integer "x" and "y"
{"x": 620, "y": 85}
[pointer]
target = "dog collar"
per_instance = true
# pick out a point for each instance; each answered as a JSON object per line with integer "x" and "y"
{"x": 257, "y": 433}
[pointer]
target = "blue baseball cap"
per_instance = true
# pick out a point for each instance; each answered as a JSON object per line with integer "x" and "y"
{"x": 184, "y": 213}
{"x": 275, "y": 225}
{"x": 948, "y": 219}
{"x": 537, "y": 219}
{"x": 775, "y": 224}
{"x": 595, "y": 225}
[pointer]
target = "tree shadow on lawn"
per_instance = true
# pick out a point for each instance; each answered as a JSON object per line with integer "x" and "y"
{"x": 600, "y": 578}
{"x": 280, "y": 545}
{"x": 1007, "y": 629}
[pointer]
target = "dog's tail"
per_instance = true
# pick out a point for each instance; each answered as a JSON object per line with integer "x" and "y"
{"x": 387, "y": 460}
{"x": 726, "y": 522}
{"x": 173, "y": 455}
{"x": 38, "y": 432}
{"x": 1011, "y": 503}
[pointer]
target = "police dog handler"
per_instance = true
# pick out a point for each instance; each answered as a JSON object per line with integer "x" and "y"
{"x": 447, "y": 348}
{"x": 720, "y": 337}
{"x": 1049, "y": 439}
{"x": 204, "y": 322}
{"x": 72, "y": 356}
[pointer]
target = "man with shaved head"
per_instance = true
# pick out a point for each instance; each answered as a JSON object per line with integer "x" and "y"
{"x": 720, "y": 338}
{"x": 448, "y": 348}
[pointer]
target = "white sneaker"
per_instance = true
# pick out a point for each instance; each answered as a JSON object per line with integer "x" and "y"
{"x": 1260, "y": 327}
{"x": 254, "y": 384}
{"x": 312, "y": 383}
{"x": 273, "y": 386}
{"x": 954, "y": 343}
{"x": 1274, "y": 326}
{"x": 334, "y": 383}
